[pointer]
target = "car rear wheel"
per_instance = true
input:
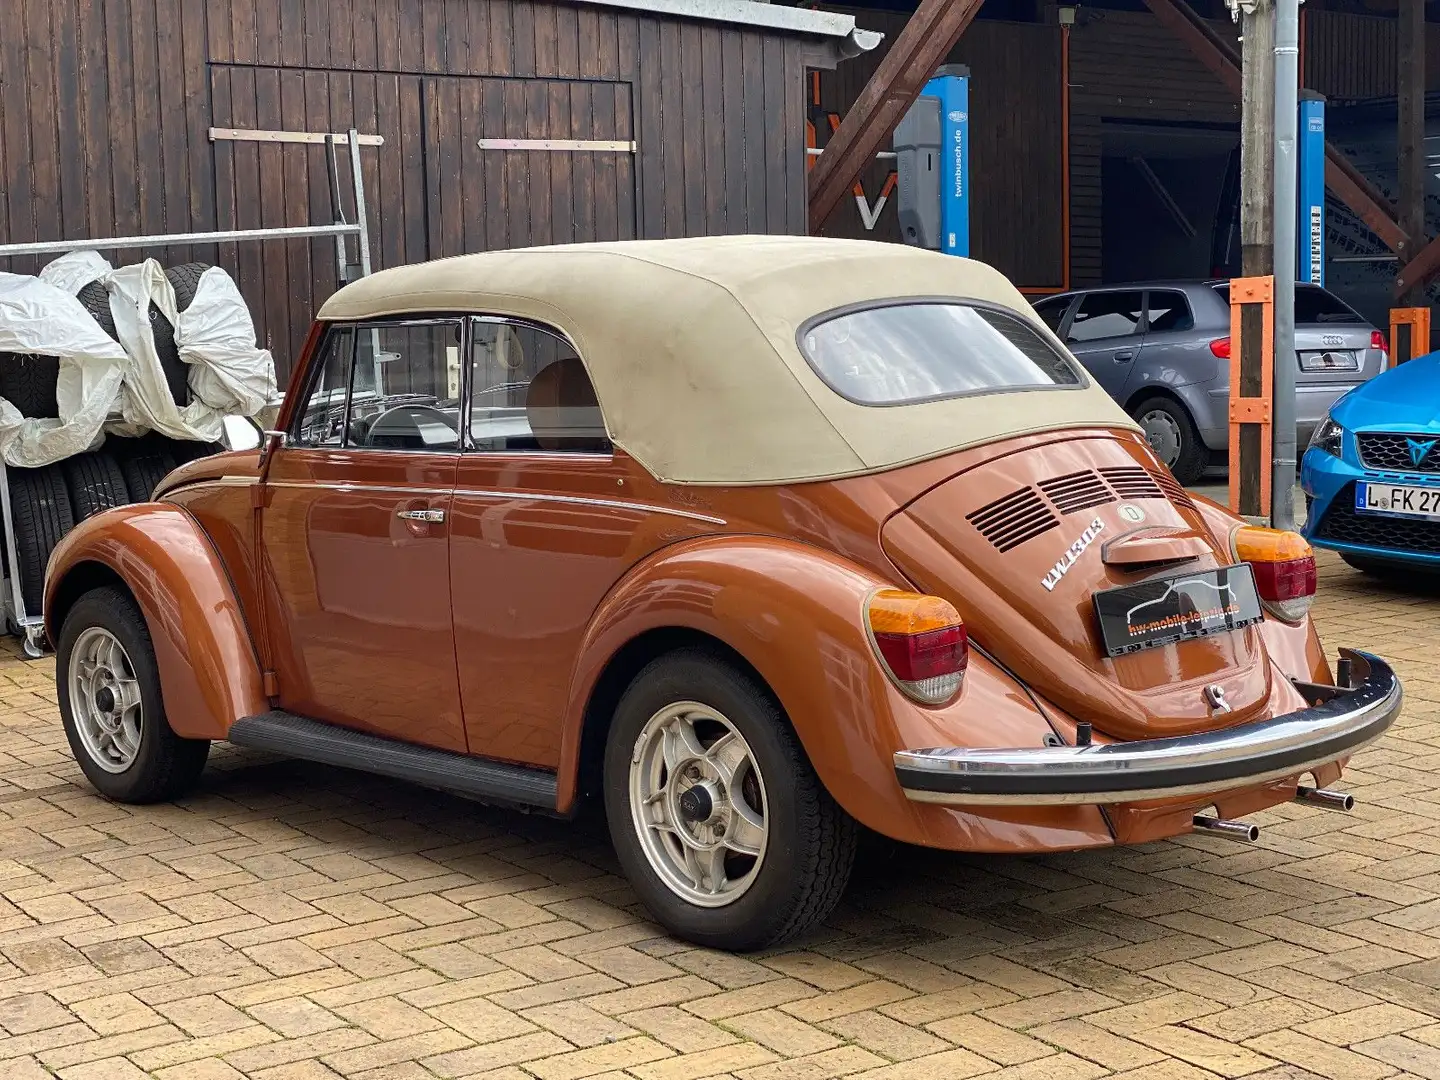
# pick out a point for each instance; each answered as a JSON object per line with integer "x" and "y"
{"x": 110, "y": 703}
{"x": 1173, "y": 437}
{"x": 722, "y": 826}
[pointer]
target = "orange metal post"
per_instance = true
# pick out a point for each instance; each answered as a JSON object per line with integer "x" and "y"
{"x": 1252, "y": 410}
{"x": 1415, "y": 339}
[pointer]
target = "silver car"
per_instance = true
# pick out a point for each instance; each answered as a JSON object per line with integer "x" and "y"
{"x": 1162, "y": 350}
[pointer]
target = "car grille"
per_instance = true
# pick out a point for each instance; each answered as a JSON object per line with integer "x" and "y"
{"x": 1344, "y": 526}
{"x": 1027, "y": 513}
{"x": 1393, "y": 452}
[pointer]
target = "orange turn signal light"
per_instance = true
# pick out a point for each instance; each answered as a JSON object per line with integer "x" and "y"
{"x": 1254, "y": 543}
{"x": 893, "y": 611}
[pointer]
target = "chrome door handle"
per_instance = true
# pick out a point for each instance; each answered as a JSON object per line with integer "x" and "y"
{"x": 421, "y": 515}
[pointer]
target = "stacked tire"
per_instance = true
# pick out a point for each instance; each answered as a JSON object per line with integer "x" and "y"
{"x": 46, "y": 503}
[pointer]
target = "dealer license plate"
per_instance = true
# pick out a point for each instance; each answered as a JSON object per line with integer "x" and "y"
{"x": 1332, "y": 360}
{"x": 1168, "y": 610}
{"x": 1398, "y": 500}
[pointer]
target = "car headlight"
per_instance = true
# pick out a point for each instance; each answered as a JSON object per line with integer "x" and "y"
{"x": 1328, "y": 436}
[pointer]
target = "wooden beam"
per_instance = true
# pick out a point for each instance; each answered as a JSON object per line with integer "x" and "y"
{"x": 928, "y": 37}
{"x": 1218, "y": 55}
{"x": 1419, "y": 270}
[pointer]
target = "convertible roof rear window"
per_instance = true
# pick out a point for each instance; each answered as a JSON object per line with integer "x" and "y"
{"x": 924, "y": 350}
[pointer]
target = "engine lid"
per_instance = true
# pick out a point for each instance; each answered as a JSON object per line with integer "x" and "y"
{"x": 1023, "y": 542}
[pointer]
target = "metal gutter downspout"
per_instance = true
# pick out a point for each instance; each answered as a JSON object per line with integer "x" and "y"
{"x": 1287, "y": 82}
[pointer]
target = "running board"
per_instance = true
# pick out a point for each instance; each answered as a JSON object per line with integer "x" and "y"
{"x": 313, "y": 740}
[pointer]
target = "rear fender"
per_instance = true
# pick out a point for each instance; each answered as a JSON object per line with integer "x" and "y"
{"x": 209, "y": 673}
{"x": 795, "y": 614}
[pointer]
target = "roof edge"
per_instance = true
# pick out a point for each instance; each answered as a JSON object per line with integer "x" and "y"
{"x": 828, "y": 24}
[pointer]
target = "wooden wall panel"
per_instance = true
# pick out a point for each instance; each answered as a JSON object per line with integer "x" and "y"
{"x": 107, "y": 105}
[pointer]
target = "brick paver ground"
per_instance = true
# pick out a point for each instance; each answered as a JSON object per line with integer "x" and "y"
{"x": 291, "y": 922}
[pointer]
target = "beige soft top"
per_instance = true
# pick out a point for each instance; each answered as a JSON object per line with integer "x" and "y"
{"x": 691, "y": 345}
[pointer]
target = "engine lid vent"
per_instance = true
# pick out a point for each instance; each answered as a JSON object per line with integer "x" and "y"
{"x": 1012, "y": 519}
{"x": 1076, "y": 491}
{"x": 1132, "y": 482}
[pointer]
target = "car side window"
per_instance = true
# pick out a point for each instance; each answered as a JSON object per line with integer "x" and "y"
{"x": 1167, "y": 310}
{"x": 405, "y": 390}
{"x": 529, "y": 390}
{"x": 321, "y": 422}
{"x": 1052, "y": 311}
{"x": 1106, "y": 315}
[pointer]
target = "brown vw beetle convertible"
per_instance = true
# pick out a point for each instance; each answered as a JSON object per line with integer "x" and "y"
{"x": 758, "y": 539}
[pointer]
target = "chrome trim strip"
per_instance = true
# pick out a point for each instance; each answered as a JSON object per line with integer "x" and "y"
{"x": 527, "y": 496}
{"x": 1214, "y": 761}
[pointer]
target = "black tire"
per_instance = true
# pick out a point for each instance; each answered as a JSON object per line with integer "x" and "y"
{"x": 185, "y": 279}
{"x": 143, "y": 463}
{"x": 810, "y": 848}
{"x": 186, "y": 450}
{"x": 95, "y": 482}
{"x": 28, "y": 382}
{"x": 177, "y": 372}
{"x": 1192, "y": 454}
{"x": 165, "y": 765}
{"x": 96, "y": 300}
{"x": 41, "y": 509}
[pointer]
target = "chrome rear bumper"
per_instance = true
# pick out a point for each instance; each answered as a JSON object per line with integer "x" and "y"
{"x": 1160, "y": 768}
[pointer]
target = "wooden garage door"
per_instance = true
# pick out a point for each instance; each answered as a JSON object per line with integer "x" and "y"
{"x": 432, "y": 190}
{"x": 486, "y": 199}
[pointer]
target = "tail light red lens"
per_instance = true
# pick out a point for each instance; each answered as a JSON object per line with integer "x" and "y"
{"x": 922, "y": 643}
{"x": 1221, "y": 348}
{"x": 1378, "y": 341}
{"x": 1284, "y": 568}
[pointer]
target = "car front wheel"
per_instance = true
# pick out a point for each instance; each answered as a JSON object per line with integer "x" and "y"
{"x": 110, "y": 703}
{"x": 1173, "y": 437}
{"x": 720, "y": 823}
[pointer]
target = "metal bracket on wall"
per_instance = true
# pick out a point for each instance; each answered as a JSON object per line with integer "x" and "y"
{"x": 319, "y": 138}
{"x": 602, "y": 146}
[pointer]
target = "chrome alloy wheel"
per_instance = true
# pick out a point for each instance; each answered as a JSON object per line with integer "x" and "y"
{"x": 1164, "y": 435}
{"x": 105, "y": 700}
{"x": 699, "y": 806}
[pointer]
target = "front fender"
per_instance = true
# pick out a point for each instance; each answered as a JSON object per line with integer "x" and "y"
{"x": 795, "y": 613}
{"x": 209, "y": 674}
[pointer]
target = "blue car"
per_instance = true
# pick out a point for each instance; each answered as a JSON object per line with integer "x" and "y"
{"x": 1372, "y": 473}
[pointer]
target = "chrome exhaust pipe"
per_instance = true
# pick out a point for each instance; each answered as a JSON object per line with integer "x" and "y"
{"x": 1325, "y": 799}
{"x": 1233, "y": 830}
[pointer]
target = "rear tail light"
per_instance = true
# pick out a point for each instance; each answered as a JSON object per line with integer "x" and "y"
{"x": 1284, "y": 568}
{"x": 1377, "y": 341}
{"x": 1221, "y": 348}
{"x": 921, "y": 643}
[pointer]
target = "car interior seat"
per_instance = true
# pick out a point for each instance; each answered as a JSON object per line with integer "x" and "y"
{"x": 563, "y": 411}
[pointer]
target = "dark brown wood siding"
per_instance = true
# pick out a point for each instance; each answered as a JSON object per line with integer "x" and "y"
{"x": 106, "y": 105}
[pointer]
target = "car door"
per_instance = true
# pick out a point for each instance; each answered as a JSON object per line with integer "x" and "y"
{"x": 544, "y": 524}
{"x": 1104, "y": 333}
{"x": 355, "y": 535}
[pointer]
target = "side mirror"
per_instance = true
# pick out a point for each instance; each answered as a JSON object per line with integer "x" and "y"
{"x": 274, "y": 440}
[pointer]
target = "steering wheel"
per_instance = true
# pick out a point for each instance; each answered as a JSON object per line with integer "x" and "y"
{"x": 416, "y": 418}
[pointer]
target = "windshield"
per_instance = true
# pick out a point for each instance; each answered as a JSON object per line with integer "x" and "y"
{"x": 925, "y": 350}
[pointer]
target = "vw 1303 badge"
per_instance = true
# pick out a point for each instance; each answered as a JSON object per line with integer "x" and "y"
{"x": 1061, "y": 568}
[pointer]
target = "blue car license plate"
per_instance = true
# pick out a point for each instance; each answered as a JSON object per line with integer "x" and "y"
{"x": 1398, "y": 500}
